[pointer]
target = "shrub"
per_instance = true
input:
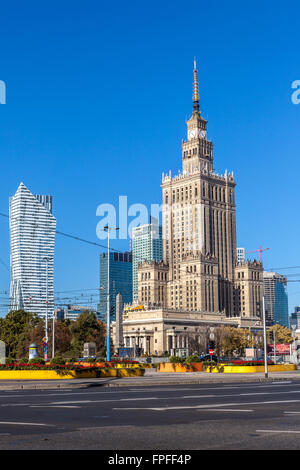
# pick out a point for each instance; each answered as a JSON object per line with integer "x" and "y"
{"x": 213, "y": 366}
{"x": 71, "y": 359}
{"x": 36, "y": 360}
{"x": 100, "y": 359}
{"x": 176, "y": 359}
{"x": 193, "y": 358}
{"x": 23, "y": 360}
{"x": 58, "y": 360}
{"x": 9, "y": 360}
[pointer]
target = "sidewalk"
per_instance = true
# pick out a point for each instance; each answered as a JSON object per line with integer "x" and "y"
{"x": 151, "y": 378}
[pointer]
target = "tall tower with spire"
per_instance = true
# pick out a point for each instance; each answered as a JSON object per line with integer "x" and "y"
{"x": 199, "y": 228}
{"x": 197, "y": 284}
{"x": 197, "y": 151}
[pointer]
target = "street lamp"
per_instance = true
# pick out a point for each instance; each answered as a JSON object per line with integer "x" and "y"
{"x": 108, "y": 230}
{"x": 47, "y": 259}
{"x": 274, "y": 345}
{"x": 265, "y": 338}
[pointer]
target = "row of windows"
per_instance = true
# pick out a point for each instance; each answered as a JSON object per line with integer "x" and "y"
{"x": 162, "y": 276}
{"x": 215, "y": 193}
{"x": 255, "y": 275}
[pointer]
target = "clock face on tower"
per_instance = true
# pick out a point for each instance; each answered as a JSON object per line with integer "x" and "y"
{"x": 202, "y": 134}
{"x": 192, "y": 134}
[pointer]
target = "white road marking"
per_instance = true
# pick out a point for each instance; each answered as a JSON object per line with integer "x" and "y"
{"x": 280, "y": 431}
{"x": 54, "y": 406}
{"x": 14, "y": 404}
{"x": 77, "y": 401}
{"x": 135, "y": 399}
{"x": 200, "y": 396}
{"x": 218, "y": 405}
{"x": 285, "y": 382}
{"x": 226, "y": 409}
{"x": 62, "y": 392}
{"x": 16, "y": 423}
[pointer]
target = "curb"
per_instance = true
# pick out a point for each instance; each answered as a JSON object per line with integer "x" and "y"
{"x": 139, "y": 382}
{"x": 52, "y": 386}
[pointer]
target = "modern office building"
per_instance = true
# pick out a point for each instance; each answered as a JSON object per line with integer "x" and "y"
{"x": 120, "y": 281}
{"x": 32, "y": 240}
{"x": 240, "y": 255}
{"x": 147, "y": 245}
{"x": 276, "y": 298}
{"x": 72, "y": 312}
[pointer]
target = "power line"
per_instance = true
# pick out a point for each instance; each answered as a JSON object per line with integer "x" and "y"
{"x": 74, "y": 237}
{"x": 289, "y": 267}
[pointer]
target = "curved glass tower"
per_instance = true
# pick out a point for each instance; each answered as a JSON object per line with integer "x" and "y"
{"x": 32, "y": 239}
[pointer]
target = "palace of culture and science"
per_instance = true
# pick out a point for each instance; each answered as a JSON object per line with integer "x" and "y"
{"x": 198, "y": 283}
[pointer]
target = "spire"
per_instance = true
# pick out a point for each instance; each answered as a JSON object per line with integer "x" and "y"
{"x": 196, "y": 92}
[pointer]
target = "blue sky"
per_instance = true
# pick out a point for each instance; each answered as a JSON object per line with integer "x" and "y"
{"x": 97, "y": 98}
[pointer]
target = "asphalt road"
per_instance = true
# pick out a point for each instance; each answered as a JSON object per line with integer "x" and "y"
{"x": 175, "y": 417}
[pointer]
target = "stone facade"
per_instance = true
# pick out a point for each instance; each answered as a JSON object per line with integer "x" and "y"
{"x": 249, "y": 290}
{"x": 198, "y": 282}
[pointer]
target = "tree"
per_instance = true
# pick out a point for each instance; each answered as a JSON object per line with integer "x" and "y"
{"x": 198, "y": 341}
{"x": 282, "y": 334}
{"x": 15, "y": 331}
{"x": 86, "y": 328}
{"x": 234, "y": 341}
{"x": 63, "y": 337}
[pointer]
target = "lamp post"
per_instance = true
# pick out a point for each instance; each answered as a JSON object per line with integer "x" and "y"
{"x": 47, "y": 259}
{"x": 295, "y": 360}
{"x": 108, "y": 230}
{"x": 265, "y": 339}
{"x": 53, "y": 336}
{"x": 274, "y": 346}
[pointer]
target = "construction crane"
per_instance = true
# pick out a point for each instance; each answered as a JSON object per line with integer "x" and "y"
{"x": 261, "y": 249}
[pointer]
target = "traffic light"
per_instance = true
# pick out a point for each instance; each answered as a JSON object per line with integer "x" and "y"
{"x": 211, "y": 345}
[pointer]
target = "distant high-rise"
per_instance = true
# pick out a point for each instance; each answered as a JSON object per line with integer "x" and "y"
{"x": 32, "y": 240}
{"x": 295, "y": 318}
{"x": 147, "y": 245}
{"x": 120, "y": 281}
{"x": 276, "y": 298}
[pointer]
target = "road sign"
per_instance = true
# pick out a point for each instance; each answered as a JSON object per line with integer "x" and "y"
{"x": 211, "y": 351}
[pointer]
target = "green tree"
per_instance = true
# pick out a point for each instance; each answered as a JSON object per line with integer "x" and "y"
{"x": 234, "y": 341}
{"x": 86, "y": 328}
{"x": 282, "y": 334}
{"x": 15, "y": 331}
{"x": 63, "y": 337}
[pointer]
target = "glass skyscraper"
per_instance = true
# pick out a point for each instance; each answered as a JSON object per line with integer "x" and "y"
{"x": 147, "y": 245}
{"x": 32, "y": 239}
{"x": 120, "y": 281}
{"x": 276, "y": 298}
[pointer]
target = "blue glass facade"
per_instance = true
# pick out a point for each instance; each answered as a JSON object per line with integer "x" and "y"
{"x": 281, "y": 309}
{"x": 120, "y": 281}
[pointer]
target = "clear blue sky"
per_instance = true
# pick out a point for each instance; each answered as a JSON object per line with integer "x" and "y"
{"x": 97, "y": 98}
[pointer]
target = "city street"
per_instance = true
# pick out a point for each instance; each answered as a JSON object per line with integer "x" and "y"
{"x": 174, "y": 417}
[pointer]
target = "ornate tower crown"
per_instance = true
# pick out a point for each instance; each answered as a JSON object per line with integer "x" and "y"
{"x": 196, "y": 150}
{"x": 196, "y": 89}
